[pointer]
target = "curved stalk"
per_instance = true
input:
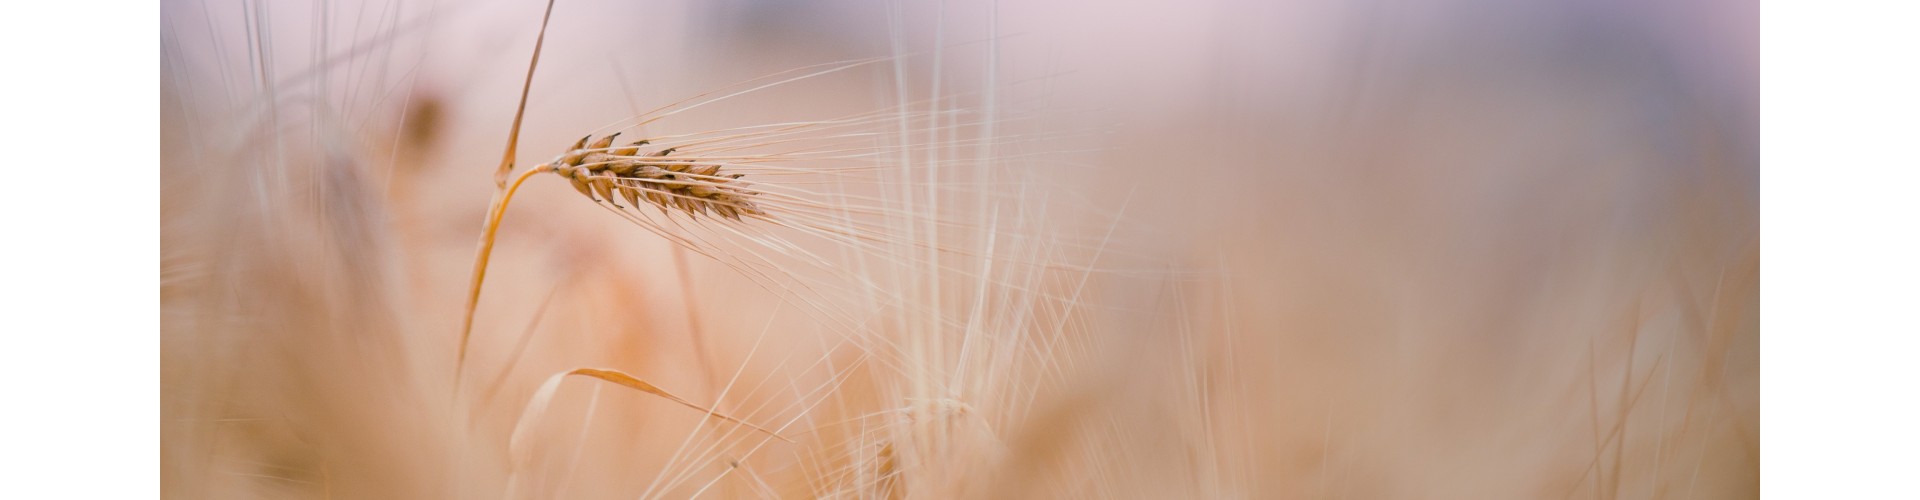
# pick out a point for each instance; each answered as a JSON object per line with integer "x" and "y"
{"x": 495, "y": 212}
{"x": 503, "y": 193}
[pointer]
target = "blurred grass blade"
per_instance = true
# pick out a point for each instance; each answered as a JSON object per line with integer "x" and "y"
{"x": 543, "y": 397}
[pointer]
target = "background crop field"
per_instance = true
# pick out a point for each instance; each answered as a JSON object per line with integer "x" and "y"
{"x": 1302, "y": 249}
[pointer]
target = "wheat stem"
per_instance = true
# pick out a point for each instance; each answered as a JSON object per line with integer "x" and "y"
{"x": 502, "y": 194}
{"x": 494, "y": 213}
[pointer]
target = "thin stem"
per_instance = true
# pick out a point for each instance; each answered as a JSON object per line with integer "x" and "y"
{"x": 494, "y": 214}
{"x": 502, "y": 194}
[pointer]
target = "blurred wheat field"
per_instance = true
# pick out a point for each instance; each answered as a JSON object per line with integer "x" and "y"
{"x": 1303, "y": 249}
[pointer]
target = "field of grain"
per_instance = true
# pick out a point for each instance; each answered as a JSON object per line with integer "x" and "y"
{"x": 1058, "y": 249}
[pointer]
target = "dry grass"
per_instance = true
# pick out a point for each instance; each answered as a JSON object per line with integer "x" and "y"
{"x": 950, "y": 271}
